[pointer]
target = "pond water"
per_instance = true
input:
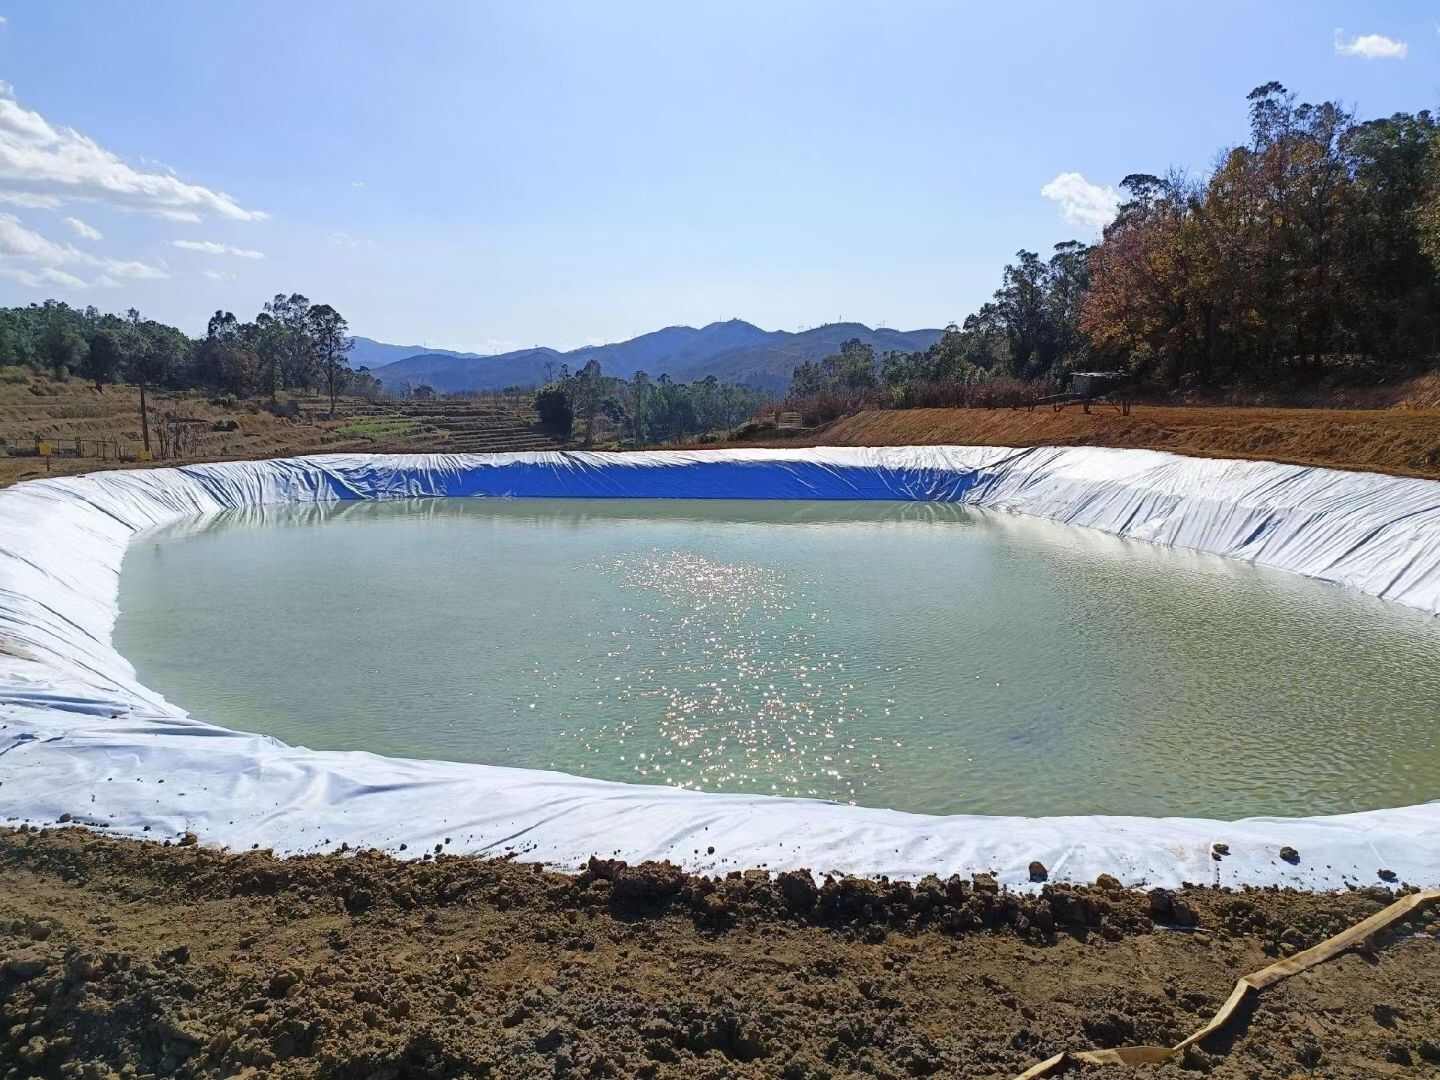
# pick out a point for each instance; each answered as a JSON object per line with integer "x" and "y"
{"x": 917, "y": 656}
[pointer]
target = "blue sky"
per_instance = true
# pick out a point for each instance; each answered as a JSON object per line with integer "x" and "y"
{"x": 495, "y": 175}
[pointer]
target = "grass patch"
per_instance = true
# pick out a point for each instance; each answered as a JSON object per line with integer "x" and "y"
{"x": 376, "y": 428}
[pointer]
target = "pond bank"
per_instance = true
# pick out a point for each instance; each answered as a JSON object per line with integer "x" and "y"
{"x": 81, "y": 738}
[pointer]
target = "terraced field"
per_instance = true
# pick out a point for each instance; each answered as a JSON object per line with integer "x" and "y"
{"x": 50, "y": 427}
{"x": 54, "y": 428}
{"x": 463, "y": 426}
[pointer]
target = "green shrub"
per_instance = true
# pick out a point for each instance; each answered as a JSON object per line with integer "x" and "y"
{"x": 553, "y": 406}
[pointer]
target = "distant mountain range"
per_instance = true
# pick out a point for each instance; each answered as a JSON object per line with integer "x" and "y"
{"x": 372, "y": 354}
{"x": 733, "y": 351}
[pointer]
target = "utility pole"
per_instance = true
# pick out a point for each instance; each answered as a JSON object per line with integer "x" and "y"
{"x": 144, "y": 420}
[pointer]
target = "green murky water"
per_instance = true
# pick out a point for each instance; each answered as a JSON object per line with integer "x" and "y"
{"x": 907, "y": 655}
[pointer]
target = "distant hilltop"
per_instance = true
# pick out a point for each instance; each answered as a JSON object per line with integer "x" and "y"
{"x": 733, "y": 351}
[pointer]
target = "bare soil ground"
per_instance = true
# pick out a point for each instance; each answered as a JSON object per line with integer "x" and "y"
{"x": 121, "y": 958}
{"x": 1404, "y": 442}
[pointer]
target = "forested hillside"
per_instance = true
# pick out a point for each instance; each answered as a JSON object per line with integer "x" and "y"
{"x": 641, "y": 410}
{"x": 1306, "y": 262}
{"x": 450, "y": 373}
{"x": 291, "y": 344}
{"x": 732, "y": 351}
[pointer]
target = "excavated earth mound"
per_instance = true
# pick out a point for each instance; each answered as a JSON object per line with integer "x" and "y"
{"x": 121, "y": 958}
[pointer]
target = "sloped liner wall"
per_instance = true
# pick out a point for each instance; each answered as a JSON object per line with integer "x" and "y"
{"x": 80, "y": 737}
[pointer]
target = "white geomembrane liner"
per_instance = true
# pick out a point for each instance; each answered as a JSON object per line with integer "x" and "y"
{"x": 80, "y": 737}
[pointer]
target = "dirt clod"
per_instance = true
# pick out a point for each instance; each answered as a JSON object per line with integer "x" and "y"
{"x": 798, "y": 889}
{"x": 25, "y": 965}
{"x": 1167, "y": 908}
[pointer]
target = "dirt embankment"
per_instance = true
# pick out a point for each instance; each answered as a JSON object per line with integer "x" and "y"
{"x": 1404, "y": 442}
{"x": 119, "y": 958}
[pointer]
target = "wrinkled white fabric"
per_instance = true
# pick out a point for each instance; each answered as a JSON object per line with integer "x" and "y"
{"x": 79, "y": 735}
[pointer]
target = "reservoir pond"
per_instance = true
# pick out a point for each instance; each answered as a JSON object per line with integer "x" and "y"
{"x": 919, "y": 656}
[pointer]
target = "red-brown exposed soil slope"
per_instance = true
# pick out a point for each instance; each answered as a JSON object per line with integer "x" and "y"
{"x": 1405, "y": 442}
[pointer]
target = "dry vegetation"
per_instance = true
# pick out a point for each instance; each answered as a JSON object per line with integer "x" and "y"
{"x": 36, "y": 409}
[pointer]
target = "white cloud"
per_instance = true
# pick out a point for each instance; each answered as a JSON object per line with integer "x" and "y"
{"x": 18, "y": 242}
{"x": 40, "y": 279}
{"x": 132, "y": 269}
{"x": 156, "y": 163}
{"x": 84, "y": 231}
{"x": 357, "y": 183}
{"x": 211, "y": 247}
{"x": 1370, "y": 47}
{"x": 1081, "y": 202}
{"x": 29, "y": 200}
{"x": 35, "y": 260}
{"x": 39, "y": 160}
{"x": 218, "y": 275}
